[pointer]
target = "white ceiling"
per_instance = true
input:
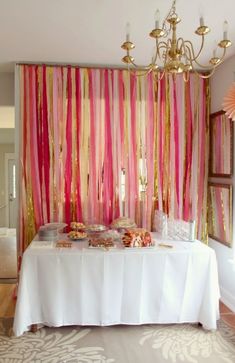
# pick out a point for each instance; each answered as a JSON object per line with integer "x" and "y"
{"x": 91, "y": 31}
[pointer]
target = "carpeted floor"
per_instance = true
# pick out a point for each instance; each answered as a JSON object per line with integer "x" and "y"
{"x": 187, "y": 343}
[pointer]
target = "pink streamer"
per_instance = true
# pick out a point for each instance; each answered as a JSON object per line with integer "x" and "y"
{"x": 45, "y": 145}
{"x": 107, "y": 167}
{"x": 78, "y": 121}
{"x": 68, "y": 163}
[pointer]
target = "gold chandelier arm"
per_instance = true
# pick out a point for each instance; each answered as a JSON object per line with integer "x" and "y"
{"x": 211, "y": 66}
{"x": 202, "y": 75}
{"x": 162, "y": 44}
{"x": 142, "y": 68}
{"x": 189, "y": 44}
{"x": 192, "y": 59}
{"x": 154, "y": 59}
{"x": 140, "y": 73}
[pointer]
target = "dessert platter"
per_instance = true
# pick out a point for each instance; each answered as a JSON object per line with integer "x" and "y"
{"x": 77, "y": 235}
{"x": 63, "y": 244}
{"x": 77, "y": 226}
{"x": 99, "y": 242}
{"x": 137, "y": 238}
{"x": 122, "y": 223}
{"x": 95, "y": 228}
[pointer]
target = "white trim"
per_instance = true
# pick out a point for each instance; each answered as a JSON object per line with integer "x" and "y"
{"x": 17, "y": 152}
{"x": 8, "y": 156}
{"x": 227, "y": 298}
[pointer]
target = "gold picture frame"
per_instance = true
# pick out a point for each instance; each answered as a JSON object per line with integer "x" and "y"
{"x": 220, "y": 213}
{"x": 221, "y": 145}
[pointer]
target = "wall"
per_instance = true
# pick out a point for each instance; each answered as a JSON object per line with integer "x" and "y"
{"x": 220, "y": 83}
{"x": 6, "y": 89}
{"x": 6, "y": 132}
{"x": 4, "y": 148}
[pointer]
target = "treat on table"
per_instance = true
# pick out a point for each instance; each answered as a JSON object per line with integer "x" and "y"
{"x": 77, "y": 225}
{"x": 101, "y": 242}
{"x": 63, "y": 244}
{"x": 110, "y": 233}
{"x": 74, "y": 235}
{"x": 96, "y": 228}
{"x": 123, "y": 222}
{"x": 137, "y": 237}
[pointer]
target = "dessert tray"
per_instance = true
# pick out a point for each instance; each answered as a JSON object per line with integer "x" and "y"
{"x": 122, "y": 223}
{"x": 77, "y": 226}
{"x": 96, "y": 228}
{"x": 77, "y": 235}
{"x": 63, "y": 244}
{"x": 103, "y": 243}
{"x": 56, "y": 225}
{"x": 137, "y": 238}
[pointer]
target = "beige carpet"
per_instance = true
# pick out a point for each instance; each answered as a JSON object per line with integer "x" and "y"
{"x": 185, "y": 343}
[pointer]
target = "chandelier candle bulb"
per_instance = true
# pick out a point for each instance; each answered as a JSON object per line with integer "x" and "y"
{"x": 201, "y": 21}
{"x": 157, "y": 19}
{"x": 128, "y": 30}
{"x": 225, "y": 30}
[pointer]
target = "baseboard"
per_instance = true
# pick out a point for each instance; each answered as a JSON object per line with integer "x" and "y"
{"x": 8, "y": 281}
{"x": 227, "y": 298}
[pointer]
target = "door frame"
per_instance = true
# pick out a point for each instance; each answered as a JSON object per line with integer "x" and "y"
{"x": 8, "y": 156}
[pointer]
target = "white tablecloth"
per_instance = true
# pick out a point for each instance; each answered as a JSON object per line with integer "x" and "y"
{"x": 82, "y": 286}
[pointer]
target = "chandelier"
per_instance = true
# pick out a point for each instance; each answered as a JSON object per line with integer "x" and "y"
{"x": 176, "y": 55}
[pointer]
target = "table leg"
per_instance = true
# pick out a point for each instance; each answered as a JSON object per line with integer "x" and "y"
{"x": 34, "y": 328}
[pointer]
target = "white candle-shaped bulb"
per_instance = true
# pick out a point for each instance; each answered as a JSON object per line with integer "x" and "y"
{"x": 225, "y": 30}
{"x": 157, "y": 19}
{"x": 128, "y": 31}
{"x": 201, "y": 21}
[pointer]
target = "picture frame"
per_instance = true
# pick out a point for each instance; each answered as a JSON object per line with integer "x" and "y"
{"x": 220, "y": 213}
{"x": 221, "y": 145}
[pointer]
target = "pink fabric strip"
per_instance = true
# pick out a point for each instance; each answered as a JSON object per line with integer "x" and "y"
{"x": 161, "y": 141}
{"x": 34, "y": 150}
{"x": 202, "y": 146}
{"x": 149, "y": 150}
{"x": 121, "y": 113}
{"x": 92, "y": 160}
{"x": 177, "y": 146}
{"x": 45, "y": 146}
{"x": 78, "y": 122}
{"x": 107, "y": 171}
{"x": 56, "y": 166}
{"x": 188, "y": 157}
{"x": 132, "y": 160}
{"x": 68, "y": 163}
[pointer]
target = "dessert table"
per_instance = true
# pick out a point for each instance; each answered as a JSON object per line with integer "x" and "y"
{"x": 89, "y": 286}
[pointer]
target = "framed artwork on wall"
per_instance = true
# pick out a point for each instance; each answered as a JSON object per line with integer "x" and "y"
{"x": 220, "y": 213}
{"x": 221, "y": 145}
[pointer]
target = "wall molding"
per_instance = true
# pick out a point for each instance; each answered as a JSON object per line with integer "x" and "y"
{"x": 227, "y": 298}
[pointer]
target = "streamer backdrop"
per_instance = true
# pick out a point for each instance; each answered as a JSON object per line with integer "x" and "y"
{"x": 100, "y": 143}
